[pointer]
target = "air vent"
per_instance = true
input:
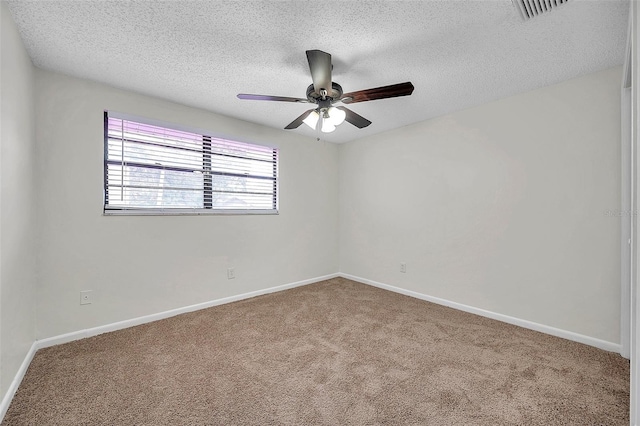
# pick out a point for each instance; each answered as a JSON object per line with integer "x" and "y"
{"x": 531, "y": 8}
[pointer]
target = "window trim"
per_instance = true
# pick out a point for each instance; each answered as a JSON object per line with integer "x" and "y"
{"x": 183, "y": 211}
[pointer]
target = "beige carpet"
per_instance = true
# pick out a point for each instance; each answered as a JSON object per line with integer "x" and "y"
{"x": 331, "y": 353}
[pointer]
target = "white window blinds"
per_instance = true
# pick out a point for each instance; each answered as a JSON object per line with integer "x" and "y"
{"x": 156, "y": 170}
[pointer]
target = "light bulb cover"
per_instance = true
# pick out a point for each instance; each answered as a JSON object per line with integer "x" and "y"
{"x": 336, "y": 116}
{"x": 327, "y": 125}
{"x": 312, "y": 119}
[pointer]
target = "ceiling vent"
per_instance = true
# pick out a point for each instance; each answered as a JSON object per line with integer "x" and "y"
{"x": 531, "y": 8}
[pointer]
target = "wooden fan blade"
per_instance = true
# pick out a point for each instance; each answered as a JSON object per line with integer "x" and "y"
{"x": 393, "y": 91}
{"x": 298, "y": 121}
{"x": 270, "y": 98}
{"x": 320, "y": 67}
{"x": 357, "y": 120}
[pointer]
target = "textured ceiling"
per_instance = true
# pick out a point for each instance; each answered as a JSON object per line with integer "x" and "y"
{"x": 457, "y": 54}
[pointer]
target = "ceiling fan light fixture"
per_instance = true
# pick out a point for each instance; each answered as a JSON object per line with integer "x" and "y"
{"x": 312, "y": 119}
{"x": 323, "y": 92}
{"x": 336, "y": 116}
{"x": 327, "y": 125}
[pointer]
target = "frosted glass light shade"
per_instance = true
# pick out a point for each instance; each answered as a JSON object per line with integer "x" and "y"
{"x": 312, "y": 120}
{"x": 336, "y": 116}
{"x": 327, "y": 125}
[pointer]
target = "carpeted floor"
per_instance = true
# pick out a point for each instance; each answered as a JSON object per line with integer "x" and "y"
{"x": 331, "y": 353}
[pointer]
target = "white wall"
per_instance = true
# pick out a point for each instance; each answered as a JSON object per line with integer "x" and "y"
{"x": 144, "y": 265}
{"x": 17, "y": 196}
{"x": 500, "y": 207}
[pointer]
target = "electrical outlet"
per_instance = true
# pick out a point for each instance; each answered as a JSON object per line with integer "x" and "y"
{"x": 403, "y": 267}
{"x": 231, "y": 273}
{"x": 86, "y": 297}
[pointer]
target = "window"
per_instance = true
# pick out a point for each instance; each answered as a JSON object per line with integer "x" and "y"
{"x": 157, "y": 170}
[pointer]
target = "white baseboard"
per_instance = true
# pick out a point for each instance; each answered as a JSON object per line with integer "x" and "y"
{"x": 569, "y": 335}
{"x": 89, "y": 332}
{"x": 15, "y": 383}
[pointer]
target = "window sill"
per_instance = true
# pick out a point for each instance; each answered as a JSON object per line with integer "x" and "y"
{"x": 199, "y": 212}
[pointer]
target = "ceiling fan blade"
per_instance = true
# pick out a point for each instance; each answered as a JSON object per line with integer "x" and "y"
{"x": 393, "y": 91}
{"x": 270, "y": 98}
{"x": 320, "y": 67}
{"x": 356, "y": 119}
{"x": 298, "y": 121}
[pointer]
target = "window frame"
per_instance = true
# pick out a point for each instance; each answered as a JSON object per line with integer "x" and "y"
{"x": 208, "y": 140}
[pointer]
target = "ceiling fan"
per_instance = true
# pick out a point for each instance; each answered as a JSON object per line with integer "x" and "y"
{"x": 324, "y": 93}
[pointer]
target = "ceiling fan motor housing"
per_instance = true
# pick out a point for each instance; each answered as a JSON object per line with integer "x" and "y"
{"x": 333, "y": 95}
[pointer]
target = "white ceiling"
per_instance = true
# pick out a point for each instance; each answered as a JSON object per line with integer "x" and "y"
{"x": 457, "y": 54}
